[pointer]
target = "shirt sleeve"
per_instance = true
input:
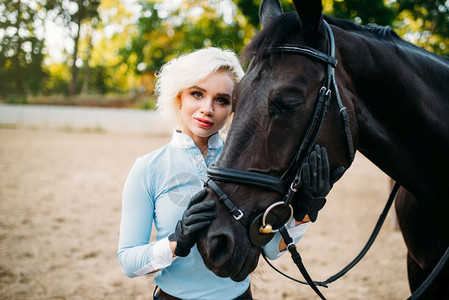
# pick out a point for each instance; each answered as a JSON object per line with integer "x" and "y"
{"x": 135, "y": 254}
{"x": 296, "y": 232}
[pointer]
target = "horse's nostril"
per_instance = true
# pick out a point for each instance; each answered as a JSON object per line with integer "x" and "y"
{"x": 221, "y": 247}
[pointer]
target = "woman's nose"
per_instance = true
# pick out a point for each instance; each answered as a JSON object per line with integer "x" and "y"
{"x": 207, "y": 108}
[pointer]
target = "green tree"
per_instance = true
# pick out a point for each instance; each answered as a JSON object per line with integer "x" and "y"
{"x": 110, "y": 73}
{"x": 71, "y": 14}
{"x": 363, "y": 11}
{"x": 21, "y": 49}
{"x": 250, "y": 9}
{"x": 165, "y": 31}
{"x": 422, "y": 22}
{"x": 425, "y": 23}
{"x": 115, "y": 50}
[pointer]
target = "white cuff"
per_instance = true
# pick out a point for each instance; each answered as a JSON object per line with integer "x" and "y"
{"x": 162, "y": 258}
{"x": 298, "y": 231}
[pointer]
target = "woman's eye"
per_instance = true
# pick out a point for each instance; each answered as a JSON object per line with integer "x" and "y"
{"x": 222, "y": 101}
{"x": 197, "y": 95}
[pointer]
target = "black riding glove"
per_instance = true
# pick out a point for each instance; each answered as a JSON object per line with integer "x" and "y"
{"x": 316, "y": 184}
{"x": 197, "y": 216}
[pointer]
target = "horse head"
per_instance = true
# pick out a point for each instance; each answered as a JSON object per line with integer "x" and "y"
{"x": 275, "y": 104}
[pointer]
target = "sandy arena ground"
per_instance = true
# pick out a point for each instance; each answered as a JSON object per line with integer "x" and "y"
{"x": 60, "y": 203}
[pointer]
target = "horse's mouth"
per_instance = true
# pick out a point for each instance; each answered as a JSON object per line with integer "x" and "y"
{"x": 239, "y": 271}
{"x": 249, "y": 264}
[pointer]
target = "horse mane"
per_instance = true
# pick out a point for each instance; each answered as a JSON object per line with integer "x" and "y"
{"x": 381, "y": 32}
{"x": 384, "y": 33}
{"x": 279, "y": 32}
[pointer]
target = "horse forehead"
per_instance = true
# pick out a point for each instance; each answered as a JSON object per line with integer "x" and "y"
{"x": 262, "y": 78}
{"x": 283, "y": 70}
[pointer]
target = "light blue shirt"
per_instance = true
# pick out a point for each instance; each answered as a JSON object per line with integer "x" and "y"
{"x": 157, "y": 190}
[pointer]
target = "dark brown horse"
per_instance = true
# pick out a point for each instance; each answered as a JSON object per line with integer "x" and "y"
{"x": 396, "y": 96}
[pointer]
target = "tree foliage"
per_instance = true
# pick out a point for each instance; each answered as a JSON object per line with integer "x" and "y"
{"x": 250, "y": 9}
{"x": 364, "y": 11}
{"x": 116, "y": 50}
{"x": 165, "y": 31}
{"x": 425, "y": 23}
{"x": 110, "y": 73}
{"x": 21, "y": 49}
{"x": 71, "y": 14}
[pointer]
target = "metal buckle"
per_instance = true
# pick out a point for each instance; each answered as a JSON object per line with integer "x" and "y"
{"x": 293, "y": 186}
{"x": 239, "y": 216}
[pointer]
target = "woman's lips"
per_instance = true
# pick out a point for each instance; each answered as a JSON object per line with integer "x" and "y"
{"x": 203, "y": 122}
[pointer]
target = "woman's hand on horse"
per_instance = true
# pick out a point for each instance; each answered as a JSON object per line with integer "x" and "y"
{"x": 316, "y": 174}
{"x": 197, "y": 216}
{"x": 316, "y": 184}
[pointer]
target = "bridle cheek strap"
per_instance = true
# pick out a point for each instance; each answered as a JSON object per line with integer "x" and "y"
{"x": 223, "y": 198}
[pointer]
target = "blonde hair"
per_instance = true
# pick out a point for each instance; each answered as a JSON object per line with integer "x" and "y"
{"x": 187, "y": 70}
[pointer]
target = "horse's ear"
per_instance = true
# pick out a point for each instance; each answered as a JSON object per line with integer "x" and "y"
{"x": 268, "y": 10}
{"x": 310, "y": 13}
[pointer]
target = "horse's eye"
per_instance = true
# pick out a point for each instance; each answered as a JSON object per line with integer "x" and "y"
{"x": 284, "y": 104}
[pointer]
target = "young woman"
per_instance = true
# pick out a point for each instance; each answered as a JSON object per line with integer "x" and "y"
{"x": 195, "y": 94}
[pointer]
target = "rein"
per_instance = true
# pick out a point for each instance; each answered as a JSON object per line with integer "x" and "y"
{"x": 416, "y": 294}
{"x": 362, "y": 253}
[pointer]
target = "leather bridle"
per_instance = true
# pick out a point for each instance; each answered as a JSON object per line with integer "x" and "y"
{"x": 279, "y": 185}
{"x": 267, "y": 224}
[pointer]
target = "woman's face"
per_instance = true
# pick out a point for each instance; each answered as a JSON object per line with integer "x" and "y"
{"x": 206, "y": 105}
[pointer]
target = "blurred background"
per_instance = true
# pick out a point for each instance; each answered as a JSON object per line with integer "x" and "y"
{"x": 105, "y": 52}
{"x": 87, "y": 68}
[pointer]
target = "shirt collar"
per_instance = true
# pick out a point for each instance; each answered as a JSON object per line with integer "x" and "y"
{"x": 182, "y": 140}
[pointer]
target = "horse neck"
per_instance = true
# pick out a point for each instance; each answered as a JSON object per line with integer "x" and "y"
{"x": 400, "y": 98}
